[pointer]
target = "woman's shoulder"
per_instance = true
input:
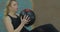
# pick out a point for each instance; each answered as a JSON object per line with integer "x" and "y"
{"x": 7, "y": 18}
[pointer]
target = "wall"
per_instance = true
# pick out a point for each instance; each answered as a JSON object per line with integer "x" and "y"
{"x": 47, "y": 12}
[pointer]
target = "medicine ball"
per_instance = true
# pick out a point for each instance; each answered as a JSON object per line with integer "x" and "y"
{"x": 30, "y": 14}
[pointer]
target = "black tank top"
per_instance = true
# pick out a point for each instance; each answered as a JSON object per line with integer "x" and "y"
{"x": 16, "y": 22}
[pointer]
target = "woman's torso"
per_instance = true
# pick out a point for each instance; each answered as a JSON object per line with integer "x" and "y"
{"x": 16, "y": 22}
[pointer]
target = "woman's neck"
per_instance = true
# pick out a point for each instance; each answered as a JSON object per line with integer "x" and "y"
{"x": 12, "y": 13}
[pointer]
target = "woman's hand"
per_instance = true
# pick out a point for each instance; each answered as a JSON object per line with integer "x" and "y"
{"x": 25, "y": 19}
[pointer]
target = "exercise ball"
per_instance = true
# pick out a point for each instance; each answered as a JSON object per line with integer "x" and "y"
{"x": 30, "y": 14}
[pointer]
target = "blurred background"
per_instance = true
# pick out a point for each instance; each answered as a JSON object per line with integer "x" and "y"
{"x": 47, "y": 12}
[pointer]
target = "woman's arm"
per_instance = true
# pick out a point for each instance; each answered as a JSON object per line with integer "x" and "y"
{"x": 19, "y": 28}
{"x": 23, "y": 22}
{"x": 9, "y": 25}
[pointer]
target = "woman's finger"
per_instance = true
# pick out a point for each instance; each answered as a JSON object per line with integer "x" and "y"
{"x": 29, "y": 20}
{"x": 24, "y": 17}
{"x": 21, "y": 18}
{"x": 27, "y": 17}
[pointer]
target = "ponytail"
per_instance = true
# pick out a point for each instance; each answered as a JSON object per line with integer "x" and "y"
{"x": 6, "y": 11}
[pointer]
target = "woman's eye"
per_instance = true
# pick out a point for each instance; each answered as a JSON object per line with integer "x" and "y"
{"x": 14, "y": 4}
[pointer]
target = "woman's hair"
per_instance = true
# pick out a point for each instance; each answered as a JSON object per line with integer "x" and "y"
{"x": 7, "y": 7}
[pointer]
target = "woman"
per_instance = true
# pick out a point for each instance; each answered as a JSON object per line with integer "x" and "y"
{"x": 12, "y": 20}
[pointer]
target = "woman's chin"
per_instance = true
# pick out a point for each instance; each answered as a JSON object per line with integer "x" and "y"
{"x": 16, "y": 10}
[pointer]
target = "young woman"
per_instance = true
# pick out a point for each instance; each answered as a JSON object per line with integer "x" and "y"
{"x": 12, "y": 20}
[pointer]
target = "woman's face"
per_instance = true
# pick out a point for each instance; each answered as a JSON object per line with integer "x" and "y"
{"x": 14, "y": 6}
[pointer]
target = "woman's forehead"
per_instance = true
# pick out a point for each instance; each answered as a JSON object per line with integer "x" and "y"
{"x": 14, "y": 2}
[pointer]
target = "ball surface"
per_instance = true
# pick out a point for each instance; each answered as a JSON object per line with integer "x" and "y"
{"x": 30, "y": 14}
